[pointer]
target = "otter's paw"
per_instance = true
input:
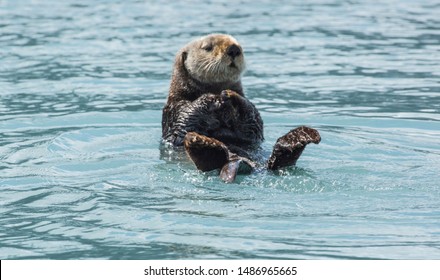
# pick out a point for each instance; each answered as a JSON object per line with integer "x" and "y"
{"x": 289, "y": 147}
{"x": 207, "y": 101}
{"x": 230, "y": 96}
{"x": 206, "y": 153}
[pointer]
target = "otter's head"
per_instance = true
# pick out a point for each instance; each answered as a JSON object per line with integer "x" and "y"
{"x": 215, "y": 58}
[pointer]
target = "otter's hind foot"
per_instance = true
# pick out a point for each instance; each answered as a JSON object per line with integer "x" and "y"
{"x": 289, "y": 147}
{"x": 236, "y": 165}
{"x": 206, "y": 153}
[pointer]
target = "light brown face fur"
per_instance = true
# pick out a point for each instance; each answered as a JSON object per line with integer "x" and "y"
{"x": 208, "y": 60}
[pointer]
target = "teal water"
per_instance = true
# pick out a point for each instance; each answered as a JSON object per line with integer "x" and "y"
{"x": 82, "y": 175}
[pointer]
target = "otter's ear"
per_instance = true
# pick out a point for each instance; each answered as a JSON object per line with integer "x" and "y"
{"x": 180, "y": 60}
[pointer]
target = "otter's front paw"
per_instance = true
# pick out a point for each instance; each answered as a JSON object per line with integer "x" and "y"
{"x": 211, "y": 102}
{"x": 229, "y": 96}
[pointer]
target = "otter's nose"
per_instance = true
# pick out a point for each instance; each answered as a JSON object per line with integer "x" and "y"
{"x": 233, "y": 51}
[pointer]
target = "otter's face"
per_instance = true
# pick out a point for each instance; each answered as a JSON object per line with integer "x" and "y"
{"x": 216, "y": 58}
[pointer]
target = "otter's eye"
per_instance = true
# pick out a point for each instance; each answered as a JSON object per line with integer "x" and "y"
{"x": 207, "y": 48}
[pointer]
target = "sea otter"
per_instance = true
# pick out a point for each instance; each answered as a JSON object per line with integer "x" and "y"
{"x": 207, "y": 112}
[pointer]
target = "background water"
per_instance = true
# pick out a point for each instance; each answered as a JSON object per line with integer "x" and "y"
{"x": 82, "y": 85}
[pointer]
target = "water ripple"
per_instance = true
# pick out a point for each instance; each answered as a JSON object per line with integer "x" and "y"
{"x": 83, "y": 174}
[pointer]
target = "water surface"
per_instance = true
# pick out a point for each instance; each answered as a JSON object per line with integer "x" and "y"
{"x": 82, "y": 175}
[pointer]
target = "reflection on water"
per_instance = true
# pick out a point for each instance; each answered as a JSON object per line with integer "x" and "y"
{"x": 82, "y": 175}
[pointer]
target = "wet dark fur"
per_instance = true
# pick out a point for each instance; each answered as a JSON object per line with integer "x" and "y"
{"x": 199, "y": 107}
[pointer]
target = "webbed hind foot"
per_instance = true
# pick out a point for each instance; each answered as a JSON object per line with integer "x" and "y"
{"x": 289, "y": 147}
{"x": 209, "y": 154}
